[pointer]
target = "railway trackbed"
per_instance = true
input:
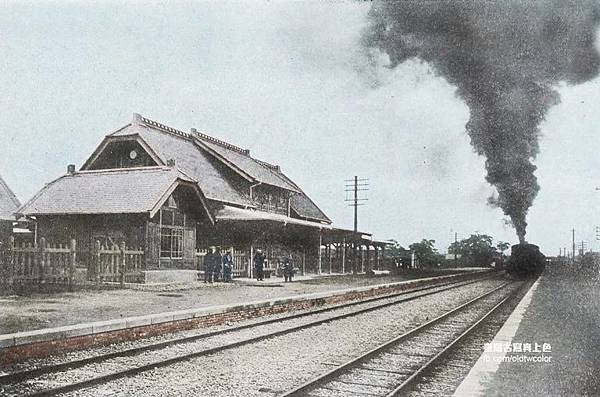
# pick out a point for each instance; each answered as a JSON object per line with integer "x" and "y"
{"x": 395, "y": 367}
{"x": 46, "y": 380}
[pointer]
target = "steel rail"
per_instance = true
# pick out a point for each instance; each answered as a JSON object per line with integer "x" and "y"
{"x": 133, "y": 371}
{"x": 403, "y": 387}
{"x": 330, "y": 375}
{"x": 28, "y": 374}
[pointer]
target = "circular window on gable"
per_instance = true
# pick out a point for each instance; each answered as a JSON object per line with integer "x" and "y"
{"x": 133, "y": 154}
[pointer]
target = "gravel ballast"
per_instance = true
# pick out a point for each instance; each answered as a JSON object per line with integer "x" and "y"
{"x": 277, "y": 364}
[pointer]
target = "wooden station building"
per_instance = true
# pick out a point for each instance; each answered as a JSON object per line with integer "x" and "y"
{"x": 172, "y": 194}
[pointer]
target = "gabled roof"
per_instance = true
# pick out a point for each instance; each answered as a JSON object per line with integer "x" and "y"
{"x": 190, "y": 159}
{"x": 8, "y": 202}
{"x": 203, "y": 158}
{"x": 259, "y": 171}
{"x": 120, "y": 191}
{"x": 303, "y": 205}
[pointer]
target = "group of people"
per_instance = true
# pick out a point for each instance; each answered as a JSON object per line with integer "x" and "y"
{"x": 260, "y": 262}
{"x": 216, "y": 266}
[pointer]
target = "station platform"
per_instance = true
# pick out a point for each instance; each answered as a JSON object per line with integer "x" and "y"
{"x": 40, "y": 311}
{"x": 273, "y": 299}
{"x": 561, "y": 314}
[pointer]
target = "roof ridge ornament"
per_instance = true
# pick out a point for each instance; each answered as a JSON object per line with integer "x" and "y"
{"x": 226, "y": 145}
{"x": 137, "y": 119}
{"x": 269, "y": 165}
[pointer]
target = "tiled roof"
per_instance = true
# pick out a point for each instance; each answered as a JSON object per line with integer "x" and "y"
{"x": 8, "y": 202}
{"x": 202, "y": 157}
{"x": 191, "y": 160}
{"x": 303, "y": 205}
{"x": 256, "y": 169}
{"x": 134, "y": 190}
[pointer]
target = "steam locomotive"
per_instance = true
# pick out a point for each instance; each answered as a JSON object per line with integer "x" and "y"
{"x": 525, "y": 260}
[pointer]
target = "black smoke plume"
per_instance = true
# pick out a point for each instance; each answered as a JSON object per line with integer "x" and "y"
{"x": 506, "y": 59}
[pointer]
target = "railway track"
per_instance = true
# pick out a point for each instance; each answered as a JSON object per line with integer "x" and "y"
{"x": 110, "y": 366}
{"x": 395, "y": 367}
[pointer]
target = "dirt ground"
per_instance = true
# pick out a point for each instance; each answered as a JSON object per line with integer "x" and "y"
{"x": 37, "y": 311}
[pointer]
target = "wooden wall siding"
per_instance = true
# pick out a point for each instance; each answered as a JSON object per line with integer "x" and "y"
{"x": 118, "y": 155}
{"x": 153, "y": 251}
{"x": 87, "y": 229}
{"x": 271, "y": 199}
{"x": 152, "y": 246}
{"x": 5, "y": 231}
{"x": 178, "y": 213}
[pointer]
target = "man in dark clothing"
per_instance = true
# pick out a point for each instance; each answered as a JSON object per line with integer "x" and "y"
{"x": 259, "y": 264}
{"x": 288, "y": 269}
{"x": 209, "y": 259}
{"x": 217, "y": 261}
{"x": 227, "y": 266}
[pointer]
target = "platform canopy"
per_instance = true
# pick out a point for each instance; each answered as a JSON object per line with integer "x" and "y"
{"x": 243, "y": 219}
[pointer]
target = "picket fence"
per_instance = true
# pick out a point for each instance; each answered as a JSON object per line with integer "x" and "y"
{"x": 29, "y": 266}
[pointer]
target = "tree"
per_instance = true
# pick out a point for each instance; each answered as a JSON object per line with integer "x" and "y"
{"x": 425, "y": 253}
{"x": 477, "y": 250}
{"x": 399, "y": 253}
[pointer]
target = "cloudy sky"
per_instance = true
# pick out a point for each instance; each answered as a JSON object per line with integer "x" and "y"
{"x": 289, "y": 82}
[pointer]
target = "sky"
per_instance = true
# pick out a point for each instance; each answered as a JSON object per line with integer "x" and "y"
{"x": 287, "y": 80}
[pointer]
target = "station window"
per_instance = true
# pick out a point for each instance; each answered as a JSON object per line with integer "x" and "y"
{"x": 171, "y": 243}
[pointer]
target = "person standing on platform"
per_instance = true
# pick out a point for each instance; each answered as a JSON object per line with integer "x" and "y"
{"x": 217, "y": 262}
{"x": 227, "y": 266}
{"x": 208, "y": 265}
{"x": 288, "y": 269}
{"x": 259, "y": 265}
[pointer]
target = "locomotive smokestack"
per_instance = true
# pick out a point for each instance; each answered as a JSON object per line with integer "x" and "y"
{"x": 505, "y": 59}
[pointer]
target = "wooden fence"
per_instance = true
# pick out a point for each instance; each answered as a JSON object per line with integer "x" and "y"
{"x": 30, "y": 267}
{"x": 116, "y": 264}
{"x": 26, "y": 265}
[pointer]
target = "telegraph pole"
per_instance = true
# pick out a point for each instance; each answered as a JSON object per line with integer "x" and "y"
{"x": 352, "y": 189}
{"x": 573, "y": 230}
{"x": 354, "y": 186}
{"x": 455, "y": 247}
{"x": 355, "y": 204}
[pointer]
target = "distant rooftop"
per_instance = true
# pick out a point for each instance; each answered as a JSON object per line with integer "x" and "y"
{"x": 8, "y": 202}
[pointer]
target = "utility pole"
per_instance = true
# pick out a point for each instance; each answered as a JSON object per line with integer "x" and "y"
{"x": 354, "y": 198}
{"x": 455, "y": 247}
{"x": 352, "y": 189}
{"x": 573, "y": 245}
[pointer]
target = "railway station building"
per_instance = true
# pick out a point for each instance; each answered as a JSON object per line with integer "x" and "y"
{"x": 173, "y": 194}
